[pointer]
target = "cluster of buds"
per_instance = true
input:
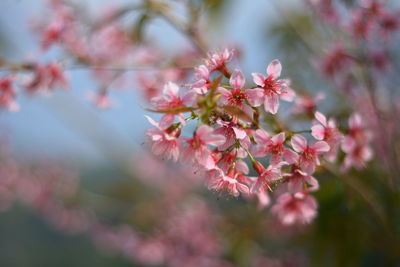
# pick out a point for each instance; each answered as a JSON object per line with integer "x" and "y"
{"x": 231, "y": 133}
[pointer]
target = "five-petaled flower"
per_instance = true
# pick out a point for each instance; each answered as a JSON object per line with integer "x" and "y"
{"x": 308, "y": 153}
{"x": 274, "y": 88}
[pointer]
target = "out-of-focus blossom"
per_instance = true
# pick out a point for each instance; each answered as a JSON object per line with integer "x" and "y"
{"x": 299, "y": 207}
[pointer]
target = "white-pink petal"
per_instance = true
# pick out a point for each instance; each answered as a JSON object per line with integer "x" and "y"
{"x": 171, "y": 89}
{"x": 237, "y": 79}
{"x": 274, "y": 69}
{"x": 271, "y": 103}
{"x": 321, "y": 146}
{"x": 321, "y": 118}
{"x": 299, "y": 143}
{"x": 258, "y": 79}
{"x": 318, "y": 131}
{"x": 255, "y": 96}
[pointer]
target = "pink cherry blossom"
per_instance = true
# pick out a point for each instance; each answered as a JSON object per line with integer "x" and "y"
{"x": 197, "y": 150}
{"x": 308, "y": 153}
{"x": 356, "y": 156}
{"x": 274, "y": 88}
{"x": 267, "y": 145}
{"x": 219, "y": 181}
{"x": 46, "y": 77}
{"x": 295, "y": 208}
{"x": 266, "y": 176}
{"x": 203, "y": 82}
{"x": 327, "y": 131}
{"x": 356, "y": 144}
{"x": 52, "y": 34}
{"x": 232, "y": 133}
{"x": 238, "y": 97}
{"x": 165, "y": 141}
{"x": 217, "y": 60}
{"x": 8, "y": 94}
{"x": 170, "y": 99}
{"x": 307, "y": 104}
{"x": 297, "y": 180}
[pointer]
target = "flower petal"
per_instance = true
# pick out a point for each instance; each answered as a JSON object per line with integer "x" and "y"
{"x": 299, "y": 143}
{"x": 237, "y": 79}
{"x": 274, "y": 69}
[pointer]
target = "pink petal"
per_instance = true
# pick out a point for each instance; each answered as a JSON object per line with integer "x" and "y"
{"x": 290, "y": 156}
{"x": 202, "y": 72}
{"x": 318, "y": 131}
{"x": 225, "y": 94}
{"x": 274, "y": 69}
{"x": 288, "y": 95}
{"x": 279, "y": 138}
{"x": 258, "y": 79}
{"x": 255, "y": 96}
{"x": 205, "y": 159}
{"x": 242, "y": 167}
{"x": 152, "y": 122}
{"x": 321, "y": 118}
{"x": 355, "y": 121}
{"x": 295, "y": 185}
{"x": 271, "y": 103}
{"x": 321, "y": 146}
{"x": 171, "y": 89}
{"x": 242, "y": 188}
{"x": 167, "y": 120}
{"x": 240, "y": 134}
{"x": 348, "y": 144}
{"x": 275, "y": 160}
{"x": 263, "y": 199}
{"x": 261, "y": 136}
{"x": 313, "y": 182}
{"x": 299, "y": 143}
{"x": 237, "y": 79}
{"x": 203, "y": 131}
{"x": 308, "y": 167}
{"x": 189, "y": 99}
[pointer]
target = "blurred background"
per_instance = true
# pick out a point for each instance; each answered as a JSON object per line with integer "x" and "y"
{"x": 95, "y": 160}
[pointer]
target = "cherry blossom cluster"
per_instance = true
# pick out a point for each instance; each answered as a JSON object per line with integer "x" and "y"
{"x": 230, "y": 132}
{"x": 362, "y": 64}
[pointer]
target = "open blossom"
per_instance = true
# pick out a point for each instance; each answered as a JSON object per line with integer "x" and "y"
{"x": 7, "y": 94}
{"x": 197, "y": 149}
{"x": 238, "y": 96}
{"x": 232, "y": 132}
{"x": 266, "y": 176}
{"x": 52, "y": 34}
{"x": 308, "y": 153}
{"x": 170, "y": 99}
{"x": 220, "y": 181}
{"x": 46, "y": 77}
{"x": 274, "y": 88}
{"x": 203, "y": 82}
{"x": 295, "y": 208}
{"x": 165, "y": 141}
{"x": 307, "y": 104}
{"x": 326, "y": 130}
{"x": 357, "y": 131}
{"x": 217, "y": 60}
{"x": 267, "y": 145}
{"x": 297, "y": 180}
{"x": 357, "y": 156}
{"x": 356, "y": 144}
